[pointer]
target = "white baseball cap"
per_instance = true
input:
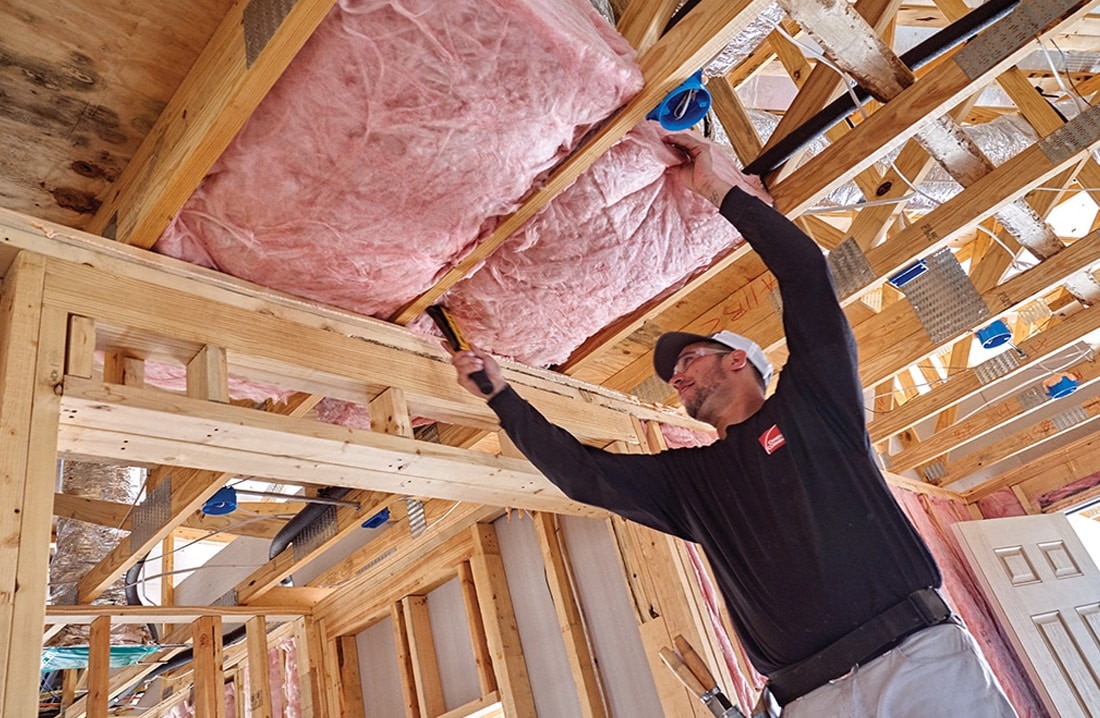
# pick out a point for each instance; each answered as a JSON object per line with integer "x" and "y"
{"x": 669, "y": 346}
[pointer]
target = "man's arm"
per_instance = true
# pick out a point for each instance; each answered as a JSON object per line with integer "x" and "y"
{"x": 634, "y": 486}
{"x": 818, "y": 334}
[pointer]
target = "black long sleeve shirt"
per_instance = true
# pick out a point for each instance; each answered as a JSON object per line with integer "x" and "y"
{"x": 806, "y": 540}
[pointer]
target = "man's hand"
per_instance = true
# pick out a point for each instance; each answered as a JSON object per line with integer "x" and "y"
{"x": 468, "y": 362}
{"x": 710, "y": 171}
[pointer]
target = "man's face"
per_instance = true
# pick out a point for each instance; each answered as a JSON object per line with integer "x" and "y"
{"x": 698, "y": 376}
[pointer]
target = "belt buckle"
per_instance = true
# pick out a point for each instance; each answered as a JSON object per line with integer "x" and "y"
{"x": 844, "y": 677}
{"x": 930, "y": 605}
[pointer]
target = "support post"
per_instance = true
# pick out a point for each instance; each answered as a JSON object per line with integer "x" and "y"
{"x": 500, "y": 623}
{"x": 32, "y": 358}
{"x": 209, "y": 671}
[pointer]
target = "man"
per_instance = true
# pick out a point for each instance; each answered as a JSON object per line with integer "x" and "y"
{"x": 829, "y": 586}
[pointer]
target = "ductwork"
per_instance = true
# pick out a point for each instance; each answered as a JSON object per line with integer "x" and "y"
{"x": 81, "y": 545}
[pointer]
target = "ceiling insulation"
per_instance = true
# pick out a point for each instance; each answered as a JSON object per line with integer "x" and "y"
{"x": 396, "y": 139}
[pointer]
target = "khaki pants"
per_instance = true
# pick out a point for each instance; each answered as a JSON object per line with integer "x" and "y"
{"x": 935, "y": 672}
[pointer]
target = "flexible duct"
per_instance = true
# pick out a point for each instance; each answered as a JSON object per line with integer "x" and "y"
{"x": 81, "y": 545}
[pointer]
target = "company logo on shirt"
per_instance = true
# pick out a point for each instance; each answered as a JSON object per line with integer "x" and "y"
{"x": 772, "y": 439}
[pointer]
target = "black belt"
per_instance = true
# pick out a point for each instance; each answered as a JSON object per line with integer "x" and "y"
{"x": 921, "y": 609}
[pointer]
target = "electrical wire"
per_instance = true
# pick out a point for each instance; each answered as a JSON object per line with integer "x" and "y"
{"x": 1016, "y": 263}
{"x": 150, "y": 577}
{"x": 440, "y": 519}
{"x": 823, "y": 209}
{"x": 1080, "y": 102}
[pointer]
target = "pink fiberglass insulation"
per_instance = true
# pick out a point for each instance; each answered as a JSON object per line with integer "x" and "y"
{"x": 1001, "y": 504}
{"x": 933, "y": 517}
{"x": 1064, "y": 492}
{"x": 396, "y": 139}
{"x": 623, "y": 233}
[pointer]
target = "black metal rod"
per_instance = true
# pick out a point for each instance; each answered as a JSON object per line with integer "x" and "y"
{"x": 919, "y": 55}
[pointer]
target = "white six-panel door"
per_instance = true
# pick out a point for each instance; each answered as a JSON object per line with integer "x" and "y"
{"x": 1046, "y": 590}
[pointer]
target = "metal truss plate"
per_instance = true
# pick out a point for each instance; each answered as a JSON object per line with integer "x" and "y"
{"x": 935, "y": 470}
{"x": 850, "y": 268}
{"x": 944, "y": 298}
{"x": 316, "y": 533}
{"x": 1032, "y": 398}
{"x": 151, "y": 514}
{"x": 261, "y": 19}
{"x": 1008, "y": 34}
{"x": 1070, "y": 418}
{"x": 993, "y": 369}
{"x": 1036, "y": 313}
{"x": 418, "y": 522}
{"x": 375, "y": 561}
{"x": 229, "y": 598}
{"x": 1078, "y": 134}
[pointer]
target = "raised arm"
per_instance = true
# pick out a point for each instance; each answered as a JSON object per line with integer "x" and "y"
{"x": 634, "y": 486}
{"x": 819, "y": 337}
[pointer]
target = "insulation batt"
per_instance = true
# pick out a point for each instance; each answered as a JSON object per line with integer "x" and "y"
{"x": 626, "y": 231}
{"x": 395, "y": 141}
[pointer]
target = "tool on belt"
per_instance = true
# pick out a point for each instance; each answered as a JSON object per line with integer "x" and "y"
{"x": 689, "y": 667}
{"x": 453, "y": 335}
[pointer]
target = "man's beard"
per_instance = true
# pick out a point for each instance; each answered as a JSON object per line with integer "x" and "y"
{"x": 692, "y": 407}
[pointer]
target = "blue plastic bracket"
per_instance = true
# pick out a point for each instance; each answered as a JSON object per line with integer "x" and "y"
{"x": 377, "y": 520}
{"x": 908, "y": 274}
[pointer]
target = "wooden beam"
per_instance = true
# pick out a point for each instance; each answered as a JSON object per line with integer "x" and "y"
{"x": 336, "y": 354}
{"x": 68, "y": 615}
{"x": 209, "y": 672}
{"x": 259, "y": 677}
{"x": 339, "y": 366}
{"x": 389, "y": 415}
{"x": 351, "y": 688}
{"x": 430, "y": 560}
{"x": 1063, "y": 464}
{"x": 146, "y": 425}
{"x": 852, "y": 44}
{"x": 1083, "y": 413}
{"x": 208, "y": 375}
{"x": 99, "y": 666}
{"x": 425, "y": 666}
{"x": 702, "y": 33}
{"x": 117, "y": 516}
{"x": 260, "y": 688}
{"x": 644, "y": 21}
{"x": 339, "y": 522}
{"x": 823, "y": 84}
{"x": 189, "y": 490}
{"x": 80, "y": 348}
{"x": 123, "y": 678}
{"x": 500, "y": 623}
{"x": 396, "y": 545}
{"x": 581, "y": 663}
{"x": 220, "y": 92}
{"x": 1041, "y": 115}
{"x": 404, "y": 659}
{"x": 483, "y": 659}
{"x": 895, "y": 338}
{"x": 951, "y": 437}
{"x": 1002, "y": 46}
{"x": 735, "y": 119}
{"x": 966, "y": 383}
{"x": 32, "y": 357}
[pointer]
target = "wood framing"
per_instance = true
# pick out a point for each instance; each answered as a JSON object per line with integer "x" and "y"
{"x": 89, "y": 325}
